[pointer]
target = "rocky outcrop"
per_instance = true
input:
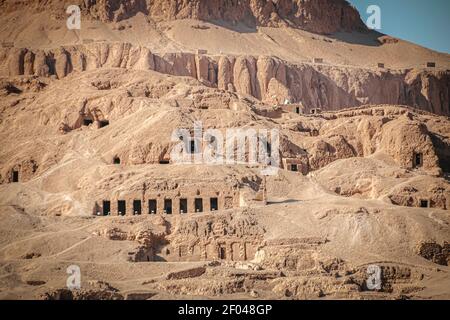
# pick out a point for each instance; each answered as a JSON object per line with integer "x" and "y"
{"x": 267, "y": 78}
{"x": 320, "y": 16}
{"x": 114, "y": 10}
{"x": 403, "y": 139}
{"x": 66, "y": 294}
{"x": 324, "y": 16}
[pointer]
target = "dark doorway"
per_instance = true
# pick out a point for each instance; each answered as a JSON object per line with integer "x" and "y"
{"x": 417, "y": 160}
{"x": 183, "y": 206}
{"x": 87, "y": 122}
{"x": 122, "y": 207}
{"x": 168, "y": 206}
{"x": 106, "y": 208}
{"x": 116, "y": 160}
{"x": 214, "y": 204}
{"x": 297, "y": 110}
{"x": 164, "y": 162}
{"x": 222, "y": 253}
{"x": 152, "y": 205}
{"x": 294, "y": 167}
{"x": 193, "y": 146}
{"x": 269, "y": 149}
{"x": 15, "y": 176}
{"x": 137, "y": 207}
{"x": 103, "y": 123}
{"x": 198, "y": 205}
{"x": 424, "y": 203}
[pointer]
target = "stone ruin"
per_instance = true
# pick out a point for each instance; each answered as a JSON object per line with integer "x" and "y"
{"x": 226, "y": 237}
{"x": 177, "y": 201}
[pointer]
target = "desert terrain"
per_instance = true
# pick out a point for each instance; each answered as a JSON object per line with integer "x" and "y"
{"x": 88, "y": 176}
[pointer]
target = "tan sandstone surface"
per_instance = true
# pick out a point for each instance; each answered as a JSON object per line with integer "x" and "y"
{"x": 86, "y": 126}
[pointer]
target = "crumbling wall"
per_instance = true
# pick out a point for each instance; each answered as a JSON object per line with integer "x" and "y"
{"x": 231, "y": 236}
{"x": 434, "y": 252}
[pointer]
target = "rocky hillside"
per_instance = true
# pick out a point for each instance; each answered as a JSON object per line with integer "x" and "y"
{"x": 263, "y": 49}
{"x": 323, "y": 16}
{"x": 266, "y": 78}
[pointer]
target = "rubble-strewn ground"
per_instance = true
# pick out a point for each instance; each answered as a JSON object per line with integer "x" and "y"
{"x": 358, "y": 198}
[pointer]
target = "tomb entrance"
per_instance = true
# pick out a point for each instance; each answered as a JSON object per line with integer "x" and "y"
{"x": 152, "y": 206}
{"x": 15, "y": 176}
{"x": 424, "y": 203}
{"x": 121, "y": 207}
{"x": 214, "y": 204}
{"x": 137, "y": 207}
{"x": 183, "y": 206}
{"x": 168, "y": 206}
{"x": 106, "y": 208}
{"x": 198, "y": 205}
{"x": 87, "y": 122}
{"x": 417, "y": 160}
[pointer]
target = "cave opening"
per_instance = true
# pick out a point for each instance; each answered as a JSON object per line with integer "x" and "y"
{"x": 168, "y": 206}
{"x": 152, "y": 205}
{"x": 137, "y": 207}
{"x": 122, "y": 207}
{"x": 222, "y": 253}
{"x": 106, "y": 207}
{"x": 198, "y": 205}
{"x": 183, "y": 206}
{"x": 116, "y": 160}
{"x": 87, "y": 122}
{"x": 214, "y": 204}
{"x": 103, "y": 123}
{"x": 15, "y": 176}
{"x": 294, "y": 167}
{"x": 417, "y": 160}
{"x": 424, "y": 203}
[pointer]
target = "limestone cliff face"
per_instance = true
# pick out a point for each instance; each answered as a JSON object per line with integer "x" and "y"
{"x": 266, "y": 78}
{"x": 320, "y": 16}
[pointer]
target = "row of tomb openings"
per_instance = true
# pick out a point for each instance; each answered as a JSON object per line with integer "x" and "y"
{"x": 236, "y": 251}
{"x": 103, "y": 123}
{"x": 153, "y": 206}
{"x": 417, "y": 163}
{"x": 193, "y": 150}
{"x": 380, "y": 65}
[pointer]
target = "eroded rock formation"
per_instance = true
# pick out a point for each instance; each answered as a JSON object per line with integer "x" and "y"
{"x": 266, "y": 78}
